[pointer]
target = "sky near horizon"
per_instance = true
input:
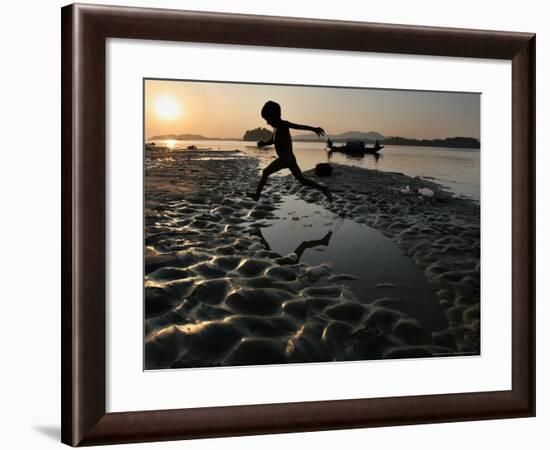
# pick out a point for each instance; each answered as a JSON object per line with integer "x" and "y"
{"x": 217, "y": 109}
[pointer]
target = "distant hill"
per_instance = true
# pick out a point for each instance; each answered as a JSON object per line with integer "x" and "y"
{"x": 342, "y": 137}
{"x": 257, "y": 134}
{"x": 372, "y": 136}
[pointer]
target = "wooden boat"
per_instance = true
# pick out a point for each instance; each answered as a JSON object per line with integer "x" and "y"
{"x": 354, "y": 147}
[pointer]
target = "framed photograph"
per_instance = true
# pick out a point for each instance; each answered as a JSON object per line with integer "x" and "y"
{"x": 279, "y": 224}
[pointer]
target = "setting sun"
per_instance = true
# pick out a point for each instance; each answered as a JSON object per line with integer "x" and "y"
{"x": 167, "y": 108}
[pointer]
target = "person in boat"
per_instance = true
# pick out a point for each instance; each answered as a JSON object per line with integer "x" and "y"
{"x": 377, "y": 145}
{"x": 271, "y": 112}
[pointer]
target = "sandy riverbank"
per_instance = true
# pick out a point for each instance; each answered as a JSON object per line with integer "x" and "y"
{"x": 215, "y": 295}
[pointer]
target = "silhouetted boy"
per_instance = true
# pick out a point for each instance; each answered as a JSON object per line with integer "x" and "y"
{"x": 271, "y": 112}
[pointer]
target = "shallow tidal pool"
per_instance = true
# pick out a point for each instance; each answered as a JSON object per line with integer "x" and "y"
{"x": 361, "y": 257}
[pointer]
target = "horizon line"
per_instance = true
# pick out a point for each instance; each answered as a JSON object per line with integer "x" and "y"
{"x": 234, "y": 138}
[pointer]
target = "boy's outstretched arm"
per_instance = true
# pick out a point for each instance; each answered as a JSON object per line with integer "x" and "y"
{"x": 296, "y": 126}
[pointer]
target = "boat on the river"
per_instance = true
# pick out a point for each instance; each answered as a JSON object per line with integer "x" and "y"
{"x": 354, "y": 147}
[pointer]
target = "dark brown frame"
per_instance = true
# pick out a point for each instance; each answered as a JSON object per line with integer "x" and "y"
{"x": 85, "y": 29}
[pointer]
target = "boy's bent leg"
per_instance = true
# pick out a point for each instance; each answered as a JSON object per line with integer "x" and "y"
{"x": 272, "y": 167}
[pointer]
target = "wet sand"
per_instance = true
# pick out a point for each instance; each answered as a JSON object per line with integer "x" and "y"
{"x": 216, "y": 294}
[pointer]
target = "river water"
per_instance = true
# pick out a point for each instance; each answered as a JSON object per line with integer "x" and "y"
{"x": 456, "y": 169}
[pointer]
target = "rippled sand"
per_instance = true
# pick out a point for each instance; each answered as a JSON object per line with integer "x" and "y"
{"x": 215, "y": 295}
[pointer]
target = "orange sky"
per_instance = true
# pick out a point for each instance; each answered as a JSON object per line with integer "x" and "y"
{"x": 229, "y": 109}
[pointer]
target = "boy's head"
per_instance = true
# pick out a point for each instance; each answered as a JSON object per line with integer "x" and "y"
{"x": 271, "y": 112}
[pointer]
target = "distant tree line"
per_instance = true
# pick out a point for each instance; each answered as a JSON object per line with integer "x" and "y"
{"x": 454, "y": 142}
{"x": 263, "y": 134}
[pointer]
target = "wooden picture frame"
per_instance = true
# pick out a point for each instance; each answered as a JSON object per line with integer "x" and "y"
{"x": 85, "y": 29}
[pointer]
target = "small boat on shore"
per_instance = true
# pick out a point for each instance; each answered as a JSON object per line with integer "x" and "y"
{"x": 354, "y": 147}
